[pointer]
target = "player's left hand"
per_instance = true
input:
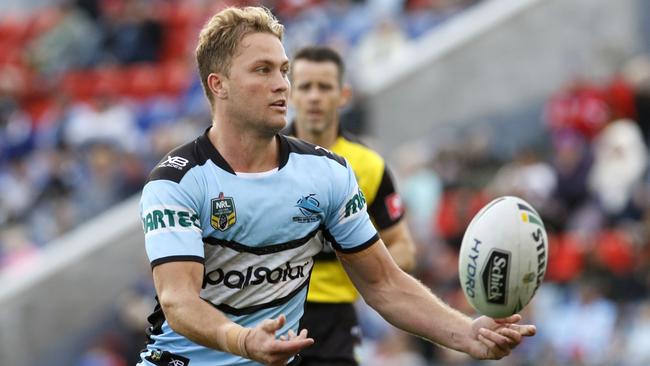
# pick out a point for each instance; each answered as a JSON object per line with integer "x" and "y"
{"x": 262, "y": 346}
{"x": 493, "y": 339}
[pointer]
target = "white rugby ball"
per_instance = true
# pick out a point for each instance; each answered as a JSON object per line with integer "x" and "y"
{"x": 503, "y": 257}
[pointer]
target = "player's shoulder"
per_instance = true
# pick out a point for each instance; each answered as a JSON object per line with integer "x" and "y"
{"x": 301, "y": 147}
{"x": 177, "y": 163}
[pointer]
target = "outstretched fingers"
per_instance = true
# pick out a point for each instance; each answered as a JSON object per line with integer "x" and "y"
{"x": 273, "y": 351}
{"x": 293, "y": 345}
{"x": 498, "y": 345}
{"x": 303, "y": 333}
{"x": 514, "y": 318}
{"x": 525, "y": 330}
{"x": 281, "y": 350}
{"x": 272, "y": 325}
{"x": 514, "y": 336}
{"x": 292, "y": 335}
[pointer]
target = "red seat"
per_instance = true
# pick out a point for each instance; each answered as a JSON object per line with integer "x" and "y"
{"x": 179, "y": 13}
{"x": 176, "y": 44}
{"x": 79, "y": 84}
{"x": 10, "y": 52}
{"x": 175, "y": 77}
{"x": 13, "y": 28}
{"x": 110, "y": 81}
{"x": 614, "y": 251}
{"x": 565, "y": 258}
{"x": 142, "y": 81}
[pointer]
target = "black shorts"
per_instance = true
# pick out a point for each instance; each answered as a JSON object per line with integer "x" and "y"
{"x": 335, "y": 330}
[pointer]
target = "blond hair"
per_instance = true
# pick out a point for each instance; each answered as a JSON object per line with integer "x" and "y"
{"x": 222, "y": 34}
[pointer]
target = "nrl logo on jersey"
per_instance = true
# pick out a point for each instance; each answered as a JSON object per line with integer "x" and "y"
{"x": 309, "y": 208}
{"x": 223, "y": 214}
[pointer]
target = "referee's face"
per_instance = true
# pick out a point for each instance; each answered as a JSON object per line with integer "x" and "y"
{"x": 316, "y": 95}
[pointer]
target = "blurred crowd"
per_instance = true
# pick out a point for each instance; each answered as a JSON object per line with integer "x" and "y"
{"x": 94, "y": 92}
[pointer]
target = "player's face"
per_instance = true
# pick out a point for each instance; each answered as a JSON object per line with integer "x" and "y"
{"x": 258, "y": 85}
{"x": 316, "y": 95}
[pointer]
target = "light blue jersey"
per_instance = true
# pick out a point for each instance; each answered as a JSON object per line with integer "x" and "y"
{"x": 255, "y": 233}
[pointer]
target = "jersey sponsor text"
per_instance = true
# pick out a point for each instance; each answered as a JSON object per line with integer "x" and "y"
{"x": 255, "y": 275}
{"x": 160, "y": 218}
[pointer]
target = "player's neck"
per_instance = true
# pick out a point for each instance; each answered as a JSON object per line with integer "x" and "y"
{"x": 245, "y": 151}
{"x": 325, "y": 139}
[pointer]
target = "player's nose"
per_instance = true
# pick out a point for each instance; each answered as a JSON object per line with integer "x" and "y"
{"x": 280, "y": 83}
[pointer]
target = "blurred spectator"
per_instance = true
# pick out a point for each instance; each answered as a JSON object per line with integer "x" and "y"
{"x": 636, "y": 73}
{"x": 133, "y": 307}
{"x": 580, "y": 329}
{"x": 103, "y": 179}
{"x": 90, "y": 7}
{"x": 581, "y": 106}
{"x": 132, "y": 31}
{"x": 379, "y": 47}
{"x": 620, "y": 160}
{"x": 104, "y": 120}
{"x": 17, "y": 249}
{"x": 636, "y": 351}
{"x": 18, "y": 191}
{"x": 421, "y": 188}
{"x": 457, "y": 208}
{"x": 572, "y": 162}
{"x": 107, "y": 352}
{"x": 566, "y": 257}
{"x": 16, "y": 130}
{"x": 528, "y": 177}
{"x": 395, "y": 349}
{"x": 54, "y": 212}
{"x": 73, "y": 42}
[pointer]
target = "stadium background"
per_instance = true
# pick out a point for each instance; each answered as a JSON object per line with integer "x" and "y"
{"x": 548, "y": 100}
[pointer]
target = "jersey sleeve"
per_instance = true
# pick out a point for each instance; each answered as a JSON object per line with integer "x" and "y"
{"x": 171, "y": 223}
{"x": 348, "y": 226}
{"x": 387, "y": 208}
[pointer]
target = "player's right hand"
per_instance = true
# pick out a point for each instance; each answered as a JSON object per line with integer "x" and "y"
{"x": 262, "y": 346}
{"x": 493, "y": 339}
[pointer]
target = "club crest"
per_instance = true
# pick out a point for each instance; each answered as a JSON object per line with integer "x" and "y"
{"x": 309, "y": 208}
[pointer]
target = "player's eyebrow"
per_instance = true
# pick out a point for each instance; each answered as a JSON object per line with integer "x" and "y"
{"x": 270, "y": 62}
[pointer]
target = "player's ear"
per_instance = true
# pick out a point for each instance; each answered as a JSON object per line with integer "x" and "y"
{"x": 218, "y": 85}
{"x": 346, "y": 95}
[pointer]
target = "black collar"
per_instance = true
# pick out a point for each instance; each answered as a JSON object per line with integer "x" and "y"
{"x": 206, "y": 149}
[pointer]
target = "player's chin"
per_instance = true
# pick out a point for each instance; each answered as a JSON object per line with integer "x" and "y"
{"x": 276, "y": 124}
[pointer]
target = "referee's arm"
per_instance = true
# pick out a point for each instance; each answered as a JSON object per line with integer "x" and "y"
{"x": 400, "y": 245}
{"x": 387, "y": 214}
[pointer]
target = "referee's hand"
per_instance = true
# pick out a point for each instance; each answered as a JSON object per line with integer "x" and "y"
{"x": 262, "y": 346}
